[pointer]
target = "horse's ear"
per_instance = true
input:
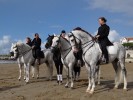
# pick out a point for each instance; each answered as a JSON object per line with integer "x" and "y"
{"x": 60, "y": 35}
{"x": 69, "y": 34}
{"x": 12, "y": 43}
{"x": 49, "y": 35}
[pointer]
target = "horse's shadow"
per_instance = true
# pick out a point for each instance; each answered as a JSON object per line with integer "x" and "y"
{"x": 43, "y": 79}
{"x": 107, "y": 85}
{"x": 9, "y": 87}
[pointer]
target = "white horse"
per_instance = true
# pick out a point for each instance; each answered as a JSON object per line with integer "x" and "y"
{"x": 68, "y": 57}
{"x": 92, "y": 54}
{"x": 23, "y": 53}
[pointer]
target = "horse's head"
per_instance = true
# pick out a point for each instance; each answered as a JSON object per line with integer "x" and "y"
{"x": 79, "y": 39}
{"x": 49, "y": 41}
{"x": 56, "y": 42}
{"x": 14, "y": 51}
{"x": 75, "y": 42}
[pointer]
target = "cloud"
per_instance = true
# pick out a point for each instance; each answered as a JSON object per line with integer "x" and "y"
{"x": 113, "y": 36}
{"x": 116, "y": 6}
{"x": 5, "y": 44}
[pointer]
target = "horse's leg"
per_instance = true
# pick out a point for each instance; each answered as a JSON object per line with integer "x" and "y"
{"x": 37, "y": 68}
{"x": 74, "y": 73}
{"x": 27, "y": 72}
{"x": 50, "y": 69}
{"x": 33, "y": 71}
{"x": 20, "y": 71}
{"x": 92, "y": 71}
{"x": 67, "y": 83}
{"x": 89, "y": 78}
{"x": 116, "y": 67}
{"x": 79, "y": 69}
{"x": 57, "y": 69}
{"x": 71, "y": 75}
{"x": 60, "y": 72}
{"x": 24, "y": 72}
{"x": 98, "y": 74}
{"x": 124, "y": 72}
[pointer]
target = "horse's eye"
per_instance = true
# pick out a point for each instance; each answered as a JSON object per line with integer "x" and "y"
{"x": 16, "y": 50}
{"x": 57, "y": 41}
{"x": 72, "y": 40}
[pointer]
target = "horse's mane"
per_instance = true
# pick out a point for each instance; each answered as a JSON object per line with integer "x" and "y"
{"x": 21, "y": 44}
{"x": 65, "y": 39}
{"x": 80, "y": 29}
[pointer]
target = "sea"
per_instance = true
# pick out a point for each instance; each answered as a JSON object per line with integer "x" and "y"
{"x": 8, "y": 61}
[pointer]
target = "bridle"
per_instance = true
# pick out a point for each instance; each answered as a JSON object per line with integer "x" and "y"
{"x": 20, "y": 54}
{"x": 84, "y": 45}
{"x": 91, "y": 43}
{"x": 63, "y": 50}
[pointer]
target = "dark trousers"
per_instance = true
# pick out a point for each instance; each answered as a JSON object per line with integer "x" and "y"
{"x": 59, "y": 67}
{"x": 37, "y": 53}
{"x": 104, "y": 50}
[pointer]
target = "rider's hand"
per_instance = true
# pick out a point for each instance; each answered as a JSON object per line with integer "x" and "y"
{"x": 33, "y": 47}
{"x": 97, "y": 36}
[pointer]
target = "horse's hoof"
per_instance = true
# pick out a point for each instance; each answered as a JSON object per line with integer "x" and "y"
{"x": 27, "y": 82}
{"x": 37, "y": 77}
{"x": 125, "y": 89}
{"x": 115, "y": 88}
{"x": 71, "y": 88}
{"x": 87, "y": 91}
{"x": 91, "y": 92}
{"x": 98, "y": 83}
{"x": 19, "y": 79}
{"x": 66, "y": 86}
{"x": 58, "y": 82}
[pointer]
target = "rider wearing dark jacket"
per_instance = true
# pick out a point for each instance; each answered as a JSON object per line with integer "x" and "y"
{"x": 36, "y": 46}
{"x": 102, "y": 36}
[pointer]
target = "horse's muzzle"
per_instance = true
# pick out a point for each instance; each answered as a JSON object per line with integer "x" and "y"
{"x": 75, "y": 50}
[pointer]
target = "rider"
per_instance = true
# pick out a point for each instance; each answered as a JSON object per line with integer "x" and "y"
{"x": 102, "y": 36}
{"x": 63, "y": 34}
{"x": 28, "y": 41}
{"x": 36, "y": 46}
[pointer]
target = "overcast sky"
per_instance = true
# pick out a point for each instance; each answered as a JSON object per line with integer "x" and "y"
{"x": 22, "y": 18}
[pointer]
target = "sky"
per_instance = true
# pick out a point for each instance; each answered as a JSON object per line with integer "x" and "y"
{"x": 22, "y": 18}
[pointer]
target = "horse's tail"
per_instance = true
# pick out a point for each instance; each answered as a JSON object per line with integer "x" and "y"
{"x": 122, "y": 53}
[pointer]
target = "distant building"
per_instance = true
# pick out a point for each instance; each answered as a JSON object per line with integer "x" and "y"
{"x": 126, "y": 40}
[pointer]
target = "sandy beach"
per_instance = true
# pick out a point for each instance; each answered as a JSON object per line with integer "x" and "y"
{"x": 41, "y": 89}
